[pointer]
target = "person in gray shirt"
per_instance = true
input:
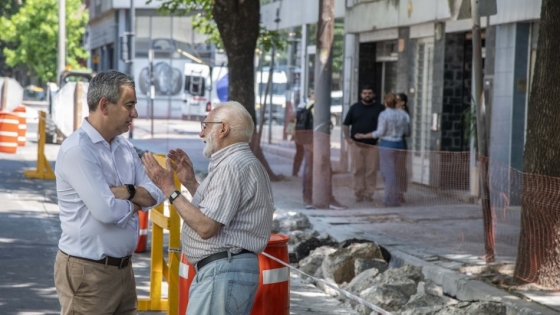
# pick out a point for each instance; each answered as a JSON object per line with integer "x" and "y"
{"x": 229, "y": 219}
{"x": 392, "y": 125}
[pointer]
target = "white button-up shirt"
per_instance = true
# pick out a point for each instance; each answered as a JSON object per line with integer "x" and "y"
{"x": 94, "y": 223}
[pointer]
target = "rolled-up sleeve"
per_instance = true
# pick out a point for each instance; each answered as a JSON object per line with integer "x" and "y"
{"x": 83, "y": 172}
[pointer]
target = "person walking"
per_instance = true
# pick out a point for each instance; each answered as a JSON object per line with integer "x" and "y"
{"x": 101, "y": 185}
{"x": 304, "y": 133}
{"x": 393, "y": 125}
{"x": 229, "y": 220}
{"x": 362, "y": 118}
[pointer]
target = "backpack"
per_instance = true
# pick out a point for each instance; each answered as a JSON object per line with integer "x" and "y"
{"x": 304, "y": 125}
{"x": 304, "y": 118}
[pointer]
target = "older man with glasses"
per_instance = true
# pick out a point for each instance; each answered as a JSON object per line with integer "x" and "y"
{"x": 229, "y": 219}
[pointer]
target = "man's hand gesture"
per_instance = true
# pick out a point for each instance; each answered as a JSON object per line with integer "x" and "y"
{"x": 183, "y": 166}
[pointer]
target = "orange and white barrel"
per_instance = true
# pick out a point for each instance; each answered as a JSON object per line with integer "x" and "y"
{"x": 21, "y": 112}
{"x": 9, "y": 126}
{"x": 273, "y": 295}
{"x": 143, "y": 233}
{"x": 186, "y": 277}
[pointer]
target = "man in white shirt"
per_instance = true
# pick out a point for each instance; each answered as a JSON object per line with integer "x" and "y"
{"x": 101, "y": 185}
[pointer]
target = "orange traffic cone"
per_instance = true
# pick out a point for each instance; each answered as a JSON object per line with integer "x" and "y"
{"x": 21, "y": 112}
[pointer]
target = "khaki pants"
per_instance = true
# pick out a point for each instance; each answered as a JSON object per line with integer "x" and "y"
{"x": 87, "y": 288}
{"x": 365, "y": 164}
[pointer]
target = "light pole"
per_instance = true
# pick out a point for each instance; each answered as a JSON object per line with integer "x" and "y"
{"x": 61, "y": 61}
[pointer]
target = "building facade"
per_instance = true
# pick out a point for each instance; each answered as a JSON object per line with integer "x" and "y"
{"x": 170, "y": 38}
{"x": 424, "y": 48}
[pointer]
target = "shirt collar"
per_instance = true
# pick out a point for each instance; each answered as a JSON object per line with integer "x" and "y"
{"x": 220, "y": 155}
{"x": 94, "y": 135}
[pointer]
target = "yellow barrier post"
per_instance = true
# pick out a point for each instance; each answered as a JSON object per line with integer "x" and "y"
{"x": 159, "y": 268}
{"x": 44, "y": 170}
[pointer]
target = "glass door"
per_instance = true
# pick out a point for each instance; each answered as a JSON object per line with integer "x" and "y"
{"x": 422, "y": 114}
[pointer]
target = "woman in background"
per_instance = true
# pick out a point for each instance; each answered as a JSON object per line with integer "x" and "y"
{"x": 392, "y": 126}
{"x": 402, "y": 172}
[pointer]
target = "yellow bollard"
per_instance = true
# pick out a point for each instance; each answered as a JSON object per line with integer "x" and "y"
{"x": 43, "y": 170}
{"x": 159, "y": 268}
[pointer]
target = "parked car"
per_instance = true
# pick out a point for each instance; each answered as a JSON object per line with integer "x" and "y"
{"x": 34, "y": 93}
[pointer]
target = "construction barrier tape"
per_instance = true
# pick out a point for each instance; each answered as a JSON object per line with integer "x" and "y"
{"x": 330, "y": 285}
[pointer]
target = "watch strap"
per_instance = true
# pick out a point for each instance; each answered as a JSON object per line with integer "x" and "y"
{"x": 174, "y": 195}
{"x": 131, "y": 191}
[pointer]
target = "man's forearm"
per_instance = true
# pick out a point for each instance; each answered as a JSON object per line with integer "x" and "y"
{"x": 143, "y": 198}
{"x": 191, "y": 187}
{"x": 193, "y": 217}
{"x": 345, "y": 130}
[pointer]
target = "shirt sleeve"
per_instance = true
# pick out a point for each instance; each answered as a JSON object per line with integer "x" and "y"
{"x": 142, "y": 180}
{"x": 381, "y": 126}
{"x": 83, "y": 172}
{"x": 220, "y": 203}
{"x": 348, "y": 118}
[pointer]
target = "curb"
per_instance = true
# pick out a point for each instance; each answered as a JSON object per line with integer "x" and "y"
{"x": 455, "y": 284}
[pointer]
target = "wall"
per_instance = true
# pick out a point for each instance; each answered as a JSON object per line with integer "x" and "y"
{"x": 293, "y": 13}
{"x": 508, "y": 114}
{"x": 366, "y": 67}
{"x": 456, "y": 75}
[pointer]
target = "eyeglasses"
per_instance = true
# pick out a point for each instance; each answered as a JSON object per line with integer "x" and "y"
{"x": 203, "y": 124}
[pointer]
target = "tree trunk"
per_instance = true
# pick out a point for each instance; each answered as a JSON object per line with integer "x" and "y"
{"x": 322, "y": 189}
{"x": 538, "y": 258}
{"x": 238, "y": 23}
{"x": 482, "y": 138}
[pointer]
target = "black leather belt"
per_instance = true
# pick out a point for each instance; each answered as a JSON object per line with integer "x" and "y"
{"x": 111, "y": 261}
{"x": 205, "y": 261}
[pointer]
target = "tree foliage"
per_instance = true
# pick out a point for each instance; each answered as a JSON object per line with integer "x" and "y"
{"x": 7, "y": 9}
{"x": 32, "y": 36}
{"x": 204, "y": 23}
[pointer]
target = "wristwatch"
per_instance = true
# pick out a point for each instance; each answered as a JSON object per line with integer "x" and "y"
{"x": 174, "y": 195}
{"x": 131, "y": 191}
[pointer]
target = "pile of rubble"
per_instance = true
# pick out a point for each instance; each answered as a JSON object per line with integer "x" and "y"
{"x": 362, "y": 268}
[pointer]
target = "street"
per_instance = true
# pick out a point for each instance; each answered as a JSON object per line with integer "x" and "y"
{"x": 30, "y": 228}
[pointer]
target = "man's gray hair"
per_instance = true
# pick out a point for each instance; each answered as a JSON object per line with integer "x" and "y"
{"x": 241, "y": 123}
{"x": 107, "y": 84}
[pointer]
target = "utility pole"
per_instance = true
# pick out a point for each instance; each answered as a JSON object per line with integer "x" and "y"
{"x": 482, "y": 138}
{"x": 322, "y": 189}
{"x": 132, "y": 33}
{"x": 61, "y": 61}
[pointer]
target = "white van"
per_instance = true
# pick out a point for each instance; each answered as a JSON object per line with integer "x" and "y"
{"x": 204, "y": 87}
{"x": 278, "y": 91}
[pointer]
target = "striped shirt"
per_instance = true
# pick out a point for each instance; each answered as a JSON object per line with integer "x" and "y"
{"x": 392, "y": 125}
{"x": 236, "y": 193}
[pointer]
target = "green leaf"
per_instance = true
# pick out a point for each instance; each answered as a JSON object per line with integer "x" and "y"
{"x": 32, "y": 36}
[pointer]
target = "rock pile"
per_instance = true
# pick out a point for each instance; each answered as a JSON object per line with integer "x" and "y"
{"x": 361, "y": 267}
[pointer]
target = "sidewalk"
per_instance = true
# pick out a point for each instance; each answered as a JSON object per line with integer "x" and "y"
{"x": 443, "y": 234}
